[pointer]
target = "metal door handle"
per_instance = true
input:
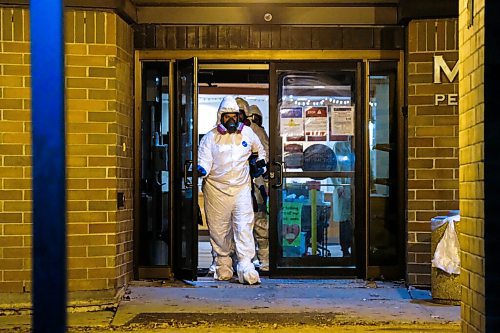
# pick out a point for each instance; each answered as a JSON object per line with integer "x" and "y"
{"x": 187, "y": 183}
{"x": 280, "y": 181}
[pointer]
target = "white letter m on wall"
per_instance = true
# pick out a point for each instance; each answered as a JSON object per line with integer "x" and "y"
{"x": 440, "y": 64}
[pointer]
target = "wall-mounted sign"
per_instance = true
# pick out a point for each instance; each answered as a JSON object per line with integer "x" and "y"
{"x": 451, "y": 74}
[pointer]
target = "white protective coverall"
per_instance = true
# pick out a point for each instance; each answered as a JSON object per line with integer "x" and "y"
{"x": 342, "y": 213}
{"x": 226, "y": 192}
{"x": 261, "y": 227}
{"x": 245, "y": 107}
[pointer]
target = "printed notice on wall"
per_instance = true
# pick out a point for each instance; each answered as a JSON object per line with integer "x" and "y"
{"x": 316, "y": 122}
{"x": 292, "y": 217}
{"x": 292, "y": 123}
{"x": 342, "y": 120}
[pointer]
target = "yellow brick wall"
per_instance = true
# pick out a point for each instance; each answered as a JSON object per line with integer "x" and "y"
{"x": 99, "y": 126}
{"x": 15, "y": 150}
{"x": 432, "y": 139}
{"x": 471, "y": 86}
{"x": 124, "y": 149}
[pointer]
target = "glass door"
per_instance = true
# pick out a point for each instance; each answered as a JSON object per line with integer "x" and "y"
{"x": 386, "y": 192}
{"x": 315, "y": 158}
{"x": 185, "y": 207}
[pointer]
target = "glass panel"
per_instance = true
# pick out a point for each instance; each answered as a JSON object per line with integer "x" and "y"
{"x": 316, "y": 142}
{"x": 316, "y": 110}
{"x": 383, "y": 225}
{"x": 154, "y": 224}
{"x": 316, "y": 217}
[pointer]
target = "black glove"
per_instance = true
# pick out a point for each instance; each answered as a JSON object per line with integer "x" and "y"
{"x": 257, "y": 168}
{"x": 257, "y": 172}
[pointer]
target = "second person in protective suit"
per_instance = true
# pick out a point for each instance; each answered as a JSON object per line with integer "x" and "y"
{"x": 260, "y": 190}
{"x": 223, "y": 163}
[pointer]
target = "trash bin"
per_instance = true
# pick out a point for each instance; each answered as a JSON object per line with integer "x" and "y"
{"x": 445, "y": 287}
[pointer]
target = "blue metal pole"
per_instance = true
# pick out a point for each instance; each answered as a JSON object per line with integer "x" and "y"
{"x": 49, "y": 179}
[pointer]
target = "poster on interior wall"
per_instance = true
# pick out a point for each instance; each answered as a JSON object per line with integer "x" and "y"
{"x": 293, "y": 155}
{"x": 292, "y": 124}
{"x": 319, "y": 157}
{"x": 292, "y": 219}
{"x": 316, "y": 123}
{"x": 342, "y": 120}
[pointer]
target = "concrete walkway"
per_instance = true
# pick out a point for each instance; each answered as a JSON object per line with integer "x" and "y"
{"x": 208, "y": 305}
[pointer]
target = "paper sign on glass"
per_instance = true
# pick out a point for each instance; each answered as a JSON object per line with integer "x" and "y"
{"x": 292, "y": 123}
{"x": 342, "y": 120}
{"x": 316, "y": 121}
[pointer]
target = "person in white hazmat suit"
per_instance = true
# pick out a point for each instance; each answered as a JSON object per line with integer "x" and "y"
{"x": 260, "y": 190}
{"x": 342, "y": 213}
{"x": 223, "y": 163}
{"x": 244, "y": 118}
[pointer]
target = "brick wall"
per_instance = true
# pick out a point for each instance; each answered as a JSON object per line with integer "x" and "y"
{"x": 15, "y": 148}
{"x": 472, "y": 195}
{"x": 432, "y": 139}
{"x": 99, "y": 155}
{"x": 99, "y": 108}
{"x": 124, "y": 150}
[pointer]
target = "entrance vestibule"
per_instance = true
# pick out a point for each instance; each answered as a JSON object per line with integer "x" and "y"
{"x": 333, "y": 174}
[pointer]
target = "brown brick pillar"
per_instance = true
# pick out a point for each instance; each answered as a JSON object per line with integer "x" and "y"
{"x": 432, "y": 137}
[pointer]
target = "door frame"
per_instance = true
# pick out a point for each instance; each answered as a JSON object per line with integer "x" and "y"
{"x": 257, "y": 56}
{"x": 179, "y": 176}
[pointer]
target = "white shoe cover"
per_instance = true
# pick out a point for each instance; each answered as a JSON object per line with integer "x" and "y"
{"x": 248, "y": 274}
{"x": 256, "y": 263}
{"x": 211, "y": 269}
{"x": 223, "y": 273}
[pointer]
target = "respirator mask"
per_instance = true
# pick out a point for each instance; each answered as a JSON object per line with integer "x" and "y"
{"x": 230, "y": 122}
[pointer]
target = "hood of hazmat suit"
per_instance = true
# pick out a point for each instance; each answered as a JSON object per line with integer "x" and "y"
{"x": 254, "y": 109}
{"x": 228, "y": 106}
{"x": 244, "y": 108}
{"x": 259, "y": 130}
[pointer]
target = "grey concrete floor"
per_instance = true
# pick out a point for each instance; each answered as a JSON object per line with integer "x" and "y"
{"x": 277, "y": 305}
